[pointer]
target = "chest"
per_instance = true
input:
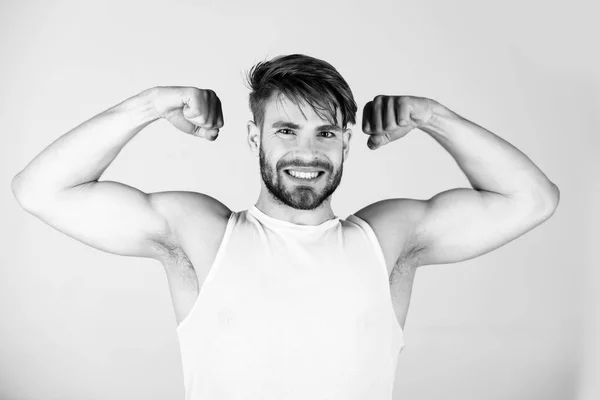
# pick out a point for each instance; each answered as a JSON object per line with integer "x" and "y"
{"x": 187, "y": 270}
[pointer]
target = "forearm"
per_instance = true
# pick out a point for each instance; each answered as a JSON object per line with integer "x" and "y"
{"x": 82, "y": 154}
{"x": 489, "y": 162}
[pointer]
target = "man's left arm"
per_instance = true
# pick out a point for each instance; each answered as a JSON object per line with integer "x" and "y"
{"x": 510, "y": 194}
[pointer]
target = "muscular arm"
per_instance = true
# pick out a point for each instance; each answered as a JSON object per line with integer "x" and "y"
{"x": 60, "y": 185}
{"x": 510, "y": 194}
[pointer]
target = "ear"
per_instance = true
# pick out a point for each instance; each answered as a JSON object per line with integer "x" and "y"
{"x": 347, "y": 135}
{"x": 253, "y": 137}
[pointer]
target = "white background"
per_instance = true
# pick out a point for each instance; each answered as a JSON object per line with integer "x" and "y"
{"x": 516, "y": 323}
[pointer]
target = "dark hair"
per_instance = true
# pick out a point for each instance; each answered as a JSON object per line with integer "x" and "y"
{"x": 301, "y": 77}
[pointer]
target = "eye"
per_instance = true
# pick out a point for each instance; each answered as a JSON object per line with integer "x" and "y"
{"x": 287, "y": 130}
{"x": 331, "y": 134}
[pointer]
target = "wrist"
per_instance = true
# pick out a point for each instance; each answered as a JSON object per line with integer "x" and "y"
{"x": 441, "y": 118}
{"x": 141, "y": 107}
{"x": 166, "y": 99}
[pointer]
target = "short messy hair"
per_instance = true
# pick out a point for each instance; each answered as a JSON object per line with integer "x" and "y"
{"x": 301, "y": 78}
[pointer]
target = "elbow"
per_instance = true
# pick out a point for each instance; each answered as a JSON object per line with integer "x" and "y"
{"x": 22, "y": 193}
{"x": 550, "y": 200}
{"x": 16, "y": 185}
{"x": 541, "y": 202}
{"x": 554, "y": 197}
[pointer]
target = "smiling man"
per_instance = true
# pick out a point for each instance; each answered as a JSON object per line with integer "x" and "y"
{"x": 294, "y": 175}
{"x": 286, "y": 300}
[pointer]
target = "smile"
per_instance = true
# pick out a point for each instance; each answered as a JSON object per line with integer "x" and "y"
{"x": 305, "y": 176}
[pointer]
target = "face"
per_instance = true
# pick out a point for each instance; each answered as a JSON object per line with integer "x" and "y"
{"x": 301, "y": 156}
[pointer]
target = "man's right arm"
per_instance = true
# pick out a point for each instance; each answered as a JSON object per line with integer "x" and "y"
{"x": 60, "y": 185}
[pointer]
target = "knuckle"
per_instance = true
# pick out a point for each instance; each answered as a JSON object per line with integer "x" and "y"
{"x": 195, "y": 92}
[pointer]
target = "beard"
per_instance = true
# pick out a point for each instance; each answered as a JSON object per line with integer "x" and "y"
{"x": 301, "y": 197}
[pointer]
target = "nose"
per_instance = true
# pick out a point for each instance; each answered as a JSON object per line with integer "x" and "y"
{"x": 309, "y": 144}
{"x": 306, "y": 149}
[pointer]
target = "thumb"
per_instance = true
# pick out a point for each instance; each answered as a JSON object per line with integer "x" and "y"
{"x": 376, "y": 141}
{"x": 180, "y": 122}
{"x": 201, "y": 126}
{"x": 209, "y": 134}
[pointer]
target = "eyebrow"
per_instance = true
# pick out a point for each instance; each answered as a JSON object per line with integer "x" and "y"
{"x": 291, "y": 125}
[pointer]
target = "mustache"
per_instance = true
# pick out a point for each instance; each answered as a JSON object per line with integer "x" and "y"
{"x": 317, "y": 165}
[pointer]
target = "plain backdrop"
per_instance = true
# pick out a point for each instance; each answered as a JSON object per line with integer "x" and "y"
{"x": 517, "y": 323}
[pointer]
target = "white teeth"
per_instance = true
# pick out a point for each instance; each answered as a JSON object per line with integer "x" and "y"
{"x": 304, "y": 175}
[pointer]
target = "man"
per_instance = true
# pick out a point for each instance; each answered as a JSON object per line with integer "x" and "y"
{"x": 295, "y": 302}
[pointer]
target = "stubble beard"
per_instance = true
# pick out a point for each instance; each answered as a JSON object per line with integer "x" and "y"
{"x": 298, "y": 197}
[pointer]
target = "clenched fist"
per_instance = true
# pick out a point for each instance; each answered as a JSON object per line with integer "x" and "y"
{"x": 191, "y": 110}
{"x": 387, "y": 118}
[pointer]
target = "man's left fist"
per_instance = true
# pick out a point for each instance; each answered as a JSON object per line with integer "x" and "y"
{"x": 387, "y": 118}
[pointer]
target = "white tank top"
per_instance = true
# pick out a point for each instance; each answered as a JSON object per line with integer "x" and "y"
{"x": 292, "y": 312}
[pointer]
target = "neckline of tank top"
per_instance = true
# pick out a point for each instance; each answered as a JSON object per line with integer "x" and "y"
{"x": 274, "y": 222}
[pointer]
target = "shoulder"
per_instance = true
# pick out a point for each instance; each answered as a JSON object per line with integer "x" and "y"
{"x": 395, "y": 223}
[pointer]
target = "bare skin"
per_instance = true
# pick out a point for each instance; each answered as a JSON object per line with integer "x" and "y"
{"x": 183, "y": 230}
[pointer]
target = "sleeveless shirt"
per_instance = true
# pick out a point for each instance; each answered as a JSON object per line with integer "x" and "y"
{"x": 292, "y": 311}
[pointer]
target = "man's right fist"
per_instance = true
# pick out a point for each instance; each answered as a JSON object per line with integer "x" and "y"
{"x": 191, "y": 110}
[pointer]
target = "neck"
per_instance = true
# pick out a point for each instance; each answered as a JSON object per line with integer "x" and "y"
{"x": 275, "y": 209}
